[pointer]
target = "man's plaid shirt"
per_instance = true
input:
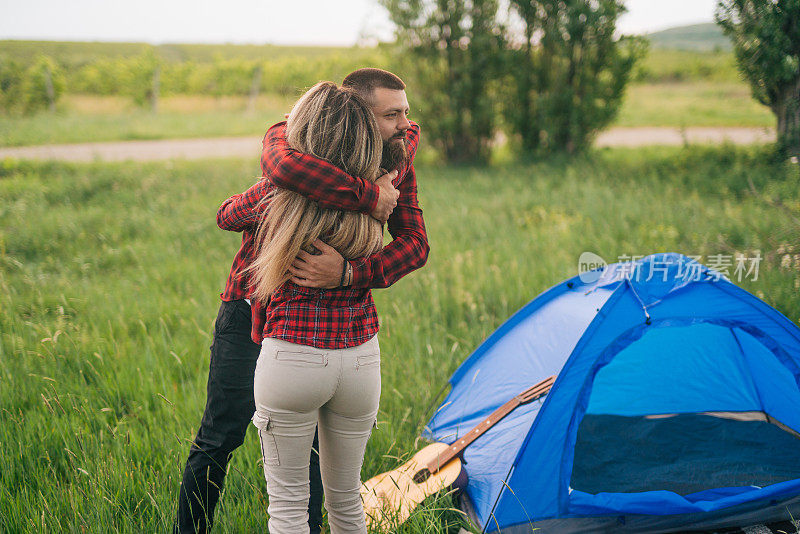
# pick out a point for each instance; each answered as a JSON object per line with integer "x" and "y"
{"x": 324, "y": 318}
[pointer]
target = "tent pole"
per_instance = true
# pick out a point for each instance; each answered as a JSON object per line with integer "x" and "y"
{"x": 497, "y": 500}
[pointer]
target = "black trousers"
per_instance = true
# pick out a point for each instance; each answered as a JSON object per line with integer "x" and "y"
{"x": 229, "y": 408}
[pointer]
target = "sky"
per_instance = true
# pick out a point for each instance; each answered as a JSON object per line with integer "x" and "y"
{"x": 289, "y": 22}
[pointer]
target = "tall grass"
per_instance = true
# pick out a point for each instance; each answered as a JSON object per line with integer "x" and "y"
{"x": 670, "y": 65}
{"x": 83, "y": 118}
{"x": 693, "y": 103}
{"x": 109, "y": 282}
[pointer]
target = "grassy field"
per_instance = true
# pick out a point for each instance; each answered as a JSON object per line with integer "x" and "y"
{"x": 109, "y": 282}
{"x": 83, "y": 118}
{"x": 693, "y": 103}
{"x": 97, "y": 118}
{"x": 670, "y": 65}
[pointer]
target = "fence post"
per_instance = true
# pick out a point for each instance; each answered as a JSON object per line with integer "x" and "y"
{"x": 51, "y": 92}
{"x": 254, "y": 87}
{"x": 156, "y": 89}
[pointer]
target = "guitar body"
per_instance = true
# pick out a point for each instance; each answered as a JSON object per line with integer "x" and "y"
{"x": 389, "y": 498}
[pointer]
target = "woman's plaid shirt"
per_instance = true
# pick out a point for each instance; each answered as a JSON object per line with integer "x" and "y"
{"x": 324, "y": 318}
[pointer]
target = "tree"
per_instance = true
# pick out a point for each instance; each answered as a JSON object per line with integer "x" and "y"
{"x": 44, "y": 84}
{"x": 12, "y": 80}
{"x": 568, "y": 72}
{"x": 449, "y": 59}
{"x": 143, "y": 78}
{"x": 766, "y": 41}
{"x": 26, "y": 89}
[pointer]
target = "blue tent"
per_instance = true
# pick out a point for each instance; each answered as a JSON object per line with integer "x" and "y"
{"x": 676, "y": 406}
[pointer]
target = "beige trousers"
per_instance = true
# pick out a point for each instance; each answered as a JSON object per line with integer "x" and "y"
{"x": 298, "y": 388}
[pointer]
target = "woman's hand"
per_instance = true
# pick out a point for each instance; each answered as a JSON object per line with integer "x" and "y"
{"x": 323, "y": 270}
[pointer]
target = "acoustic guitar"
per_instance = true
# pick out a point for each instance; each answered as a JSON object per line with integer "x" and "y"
{"x": 389, "y": 498}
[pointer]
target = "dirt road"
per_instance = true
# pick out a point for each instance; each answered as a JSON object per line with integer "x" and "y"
{"x": 251, "y": 146}
{"x": 634, "y": 137}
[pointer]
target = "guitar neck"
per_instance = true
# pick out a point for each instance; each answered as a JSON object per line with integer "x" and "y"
{"x": 530, "y": 394}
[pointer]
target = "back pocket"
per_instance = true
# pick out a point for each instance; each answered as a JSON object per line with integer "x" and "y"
{"x": 303, "y": 359}
{"x": 367, "y": 360}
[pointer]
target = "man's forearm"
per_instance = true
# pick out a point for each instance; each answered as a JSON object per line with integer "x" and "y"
{"x": 313, "y": 177}
{"x": 240, "y": 211}
{"x": 400, "y": 257}
{"x": 409, "y": 248}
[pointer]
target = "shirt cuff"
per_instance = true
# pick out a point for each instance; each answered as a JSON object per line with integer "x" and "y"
{"x": 370, "y": 200}
{"x": 361, "y": 273}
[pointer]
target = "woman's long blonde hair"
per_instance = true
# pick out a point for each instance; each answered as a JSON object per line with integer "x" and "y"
{"x": 338, "y": 126}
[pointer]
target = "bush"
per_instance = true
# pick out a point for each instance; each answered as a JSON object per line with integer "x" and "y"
{"x": 28, "y": 90}
{"x": 43, "y": 85}
{"x": 12, "y": 75}
{"x": 138, "y": 77}
{"x": 222, "y": 76}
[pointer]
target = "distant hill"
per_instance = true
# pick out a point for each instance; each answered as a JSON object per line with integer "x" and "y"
{"x": 697, "y": 37}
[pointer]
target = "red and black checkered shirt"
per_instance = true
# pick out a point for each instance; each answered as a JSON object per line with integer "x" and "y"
{"x": 325, "y": 318}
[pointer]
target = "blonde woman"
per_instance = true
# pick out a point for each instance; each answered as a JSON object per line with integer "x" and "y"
{"x": 320, "y": 361}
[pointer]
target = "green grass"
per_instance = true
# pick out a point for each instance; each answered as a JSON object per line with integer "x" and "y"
{"x": 664, "y": 65}
{"x": 109, "y": 282}
{"x": 687, "y": 104}
{"x": 87, "y": 119}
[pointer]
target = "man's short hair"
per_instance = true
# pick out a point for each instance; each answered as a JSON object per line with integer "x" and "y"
{"x": 365, "y": 81}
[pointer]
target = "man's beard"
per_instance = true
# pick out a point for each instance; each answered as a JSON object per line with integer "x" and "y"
{"x": 395, "y": 154}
